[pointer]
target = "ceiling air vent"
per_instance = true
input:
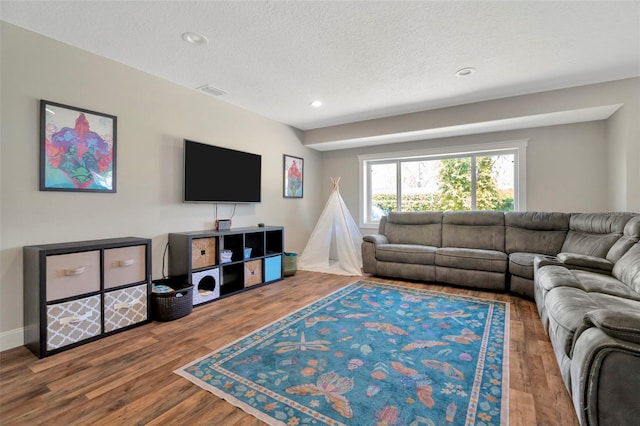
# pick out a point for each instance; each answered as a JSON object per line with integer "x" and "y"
{"x": 209, "y": 89}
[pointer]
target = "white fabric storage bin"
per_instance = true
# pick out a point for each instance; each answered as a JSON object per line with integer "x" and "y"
{"x": 72, "y": 274}
{"x": 124, "y": 265}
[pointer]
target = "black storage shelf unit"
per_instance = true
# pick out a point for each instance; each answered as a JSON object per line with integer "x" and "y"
{"x": 199, "y": 254}
{"x": 77, "y": 292}
{"x": 255, "y": 241}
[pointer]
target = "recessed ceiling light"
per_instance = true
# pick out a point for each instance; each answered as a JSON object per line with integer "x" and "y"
{"x": 464, "y": 72}
{"x": 316, "y": 104}
{"x": 194, "y": 38}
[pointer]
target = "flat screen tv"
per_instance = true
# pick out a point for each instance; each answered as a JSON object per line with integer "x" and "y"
{"x": 213, "y": 174}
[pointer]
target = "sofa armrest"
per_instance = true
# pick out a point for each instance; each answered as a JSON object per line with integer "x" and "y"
{"x": 605, "y": 379}
{"x": 543, "y": 260}
{"x": 623, "y": 324}
{"x": 376, "y": 239}
{"x": 585, "y": 262}
{"x": 369, "y": 247}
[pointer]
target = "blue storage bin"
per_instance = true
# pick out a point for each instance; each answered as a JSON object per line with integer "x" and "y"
{"x": 272, "y": 268}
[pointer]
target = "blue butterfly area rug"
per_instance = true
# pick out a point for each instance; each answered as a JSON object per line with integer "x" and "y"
{"x": 370, "y": 354}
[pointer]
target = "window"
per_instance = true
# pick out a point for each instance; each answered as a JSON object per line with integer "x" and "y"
{"x": 468, "y": 178}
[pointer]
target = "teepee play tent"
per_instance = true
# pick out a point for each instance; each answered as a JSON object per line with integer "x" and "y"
{"x": 334, "y": 245}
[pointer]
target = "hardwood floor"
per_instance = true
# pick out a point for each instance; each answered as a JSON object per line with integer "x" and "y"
{"x": 128, "y": 379}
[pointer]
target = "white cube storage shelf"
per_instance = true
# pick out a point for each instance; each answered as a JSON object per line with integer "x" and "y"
{"x": 235, "y": 271}
{"x": 81, "y": 291}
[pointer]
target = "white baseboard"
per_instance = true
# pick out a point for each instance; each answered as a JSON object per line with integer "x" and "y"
{"x": 11, "y": 339}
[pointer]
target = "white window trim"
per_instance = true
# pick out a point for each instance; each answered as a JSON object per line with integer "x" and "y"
{"x": 520, "y": 172}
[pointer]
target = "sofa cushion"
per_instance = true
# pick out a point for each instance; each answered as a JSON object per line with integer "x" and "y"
{"x": 406, "y": 253}
{"x": 552, "y": 276}
{"x": 632, "y": 228}
{"x": 608, "y": 301}
{"x": 620, "y": 248}
{"x": 566, "y": 308}
{"x": 535, "y": 232}
{"x": 382, "y": 225}
{"x": 627, "y": 269}
{"x": 473, "y": 229}
{"x": 631, "y": 235}
{"x": 593, "y": 282}
{"x": 594, "y": 234}
{"x": 475, "y": 259}
{"x": 424, "y": 228}
{"x": 521, "y": 264}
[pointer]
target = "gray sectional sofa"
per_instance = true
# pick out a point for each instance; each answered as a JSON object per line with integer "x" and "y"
{"x": 582, "y": 270}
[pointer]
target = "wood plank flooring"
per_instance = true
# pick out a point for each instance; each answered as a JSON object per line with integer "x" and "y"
{"x": 128, "y": 379}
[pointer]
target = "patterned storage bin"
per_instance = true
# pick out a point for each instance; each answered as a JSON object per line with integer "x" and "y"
{"x": 253, "y": 273}
{"x": 203, "y": 252}
{"x": 125, "y": 307}
{"x": 73, "y": 321}
{"x": 206, "y": 285}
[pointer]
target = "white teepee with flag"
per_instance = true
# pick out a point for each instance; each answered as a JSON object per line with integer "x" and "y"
{"x": 334, "y": 245}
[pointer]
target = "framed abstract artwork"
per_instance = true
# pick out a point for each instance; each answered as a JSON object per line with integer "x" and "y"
{"x": 293, "y": 176}
{"x": 77, "y": 149}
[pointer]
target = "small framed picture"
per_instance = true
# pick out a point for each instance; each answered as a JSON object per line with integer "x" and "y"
{"x": 77, "y": 149}
{"x": 293, "y": 176}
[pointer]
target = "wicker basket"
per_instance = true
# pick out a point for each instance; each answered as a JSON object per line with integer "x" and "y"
{"x": 173, "y": 304}
{"x": 290, "y": 264}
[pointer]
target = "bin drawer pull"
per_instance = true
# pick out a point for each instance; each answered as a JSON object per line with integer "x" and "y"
{"x": 75, "y": 271}
{"x": 126, "y": 262}
{"x": 125, "y": 305}
{"x": 75, "y": 319}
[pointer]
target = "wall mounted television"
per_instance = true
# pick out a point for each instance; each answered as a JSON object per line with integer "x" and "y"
{"x": 213, "y": 174}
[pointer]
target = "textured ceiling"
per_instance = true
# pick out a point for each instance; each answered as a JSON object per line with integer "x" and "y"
{"x": 363, "y": 59}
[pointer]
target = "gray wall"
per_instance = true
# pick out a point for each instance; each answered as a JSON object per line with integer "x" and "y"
{"x": 153, "y": 118}
{"x": 622, "y": 175}
{"x": 567, "y": 169}
{"x": 623, "y": 132}
{"x": 580, "y": 167}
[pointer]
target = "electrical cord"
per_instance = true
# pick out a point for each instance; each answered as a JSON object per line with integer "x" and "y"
{"x": 164, "y": 255}
{"x": 232, "y": 213}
